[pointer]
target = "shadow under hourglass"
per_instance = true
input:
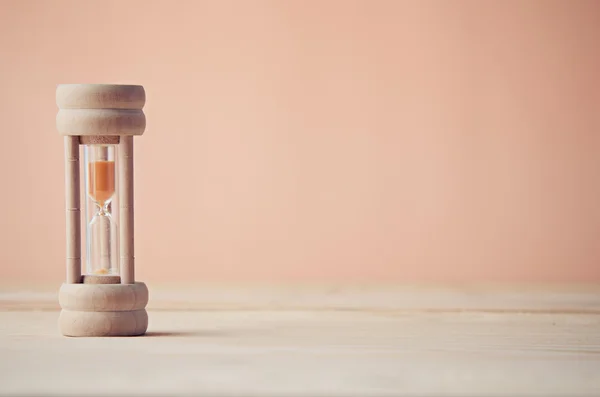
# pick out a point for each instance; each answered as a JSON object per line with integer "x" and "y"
{"x": 192, "y": 333}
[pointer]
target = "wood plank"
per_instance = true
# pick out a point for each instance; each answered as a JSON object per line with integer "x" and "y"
{"x": 308, "y": 353}
{"x": 317, "y": 341}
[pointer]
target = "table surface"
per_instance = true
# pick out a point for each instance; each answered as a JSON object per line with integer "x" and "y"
{"x": 329, "y": 341}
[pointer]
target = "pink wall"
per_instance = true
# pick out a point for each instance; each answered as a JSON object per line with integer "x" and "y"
{"x": 332, "y": 140}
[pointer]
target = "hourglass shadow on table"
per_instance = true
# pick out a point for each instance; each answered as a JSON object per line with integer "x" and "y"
{"x": 189, "y": 334}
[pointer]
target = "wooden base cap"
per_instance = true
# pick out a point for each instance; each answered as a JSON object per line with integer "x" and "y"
{"x": 103, "y": 309}
{"x": 96, "y": 324}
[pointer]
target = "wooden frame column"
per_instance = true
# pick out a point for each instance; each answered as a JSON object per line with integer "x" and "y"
{"x": 127, "y": 248}
{"x": 73, "y": 211}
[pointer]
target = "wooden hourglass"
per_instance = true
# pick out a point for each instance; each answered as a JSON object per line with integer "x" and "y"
{"x": 101, "y": 120}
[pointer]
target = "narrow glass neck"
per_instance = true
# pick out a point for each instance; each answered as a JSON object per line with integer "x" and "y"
{"x": 103, "y": 209}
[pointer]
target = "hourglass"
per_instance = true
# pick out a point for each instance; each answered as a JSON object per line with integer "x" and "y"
{"x": 101, "y": 120}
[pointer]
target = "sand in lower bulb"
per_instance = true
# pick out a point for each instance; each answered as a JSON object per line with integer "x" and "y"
{"x": 102, "y": 237}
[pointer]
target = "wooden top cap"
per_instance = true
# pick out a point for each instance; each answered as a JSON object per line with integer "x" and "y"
{"x": 100, "y": 96}
{"x": 100, "y": 109}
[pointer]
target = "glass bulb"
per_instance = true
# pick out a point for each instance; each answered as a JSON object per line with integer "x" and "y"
{"x": 102, "y": 234}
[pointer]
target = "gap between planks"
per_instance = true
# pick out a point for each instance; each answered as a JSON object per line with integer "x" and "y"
{"x": 388, "y": 299}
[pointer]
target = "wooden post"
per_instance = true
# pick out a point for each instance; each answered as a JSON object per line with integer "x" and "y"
{"x": 73, "y": 213}
{"x": 127, "y": 264}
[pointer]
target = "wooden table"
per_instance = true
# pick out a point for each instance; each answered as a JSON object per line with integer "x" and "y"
{"x": 317, "y": 341}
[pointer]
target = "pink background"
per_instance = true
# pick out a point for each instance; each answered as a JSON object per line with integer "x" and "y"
{"x": 432, "y": 141}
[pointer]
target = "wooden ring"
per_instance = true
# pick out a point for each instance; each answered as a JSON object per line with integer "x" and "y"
{"x": 76, "y": 323}
{"x": 100, "y": 122}
{"x": 100, "y": 96}
{"x": 103, "y": 297}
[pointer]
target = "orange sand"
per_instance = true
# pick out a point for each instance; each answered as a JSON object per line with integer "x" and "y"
{"x": 102, "y": 181}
